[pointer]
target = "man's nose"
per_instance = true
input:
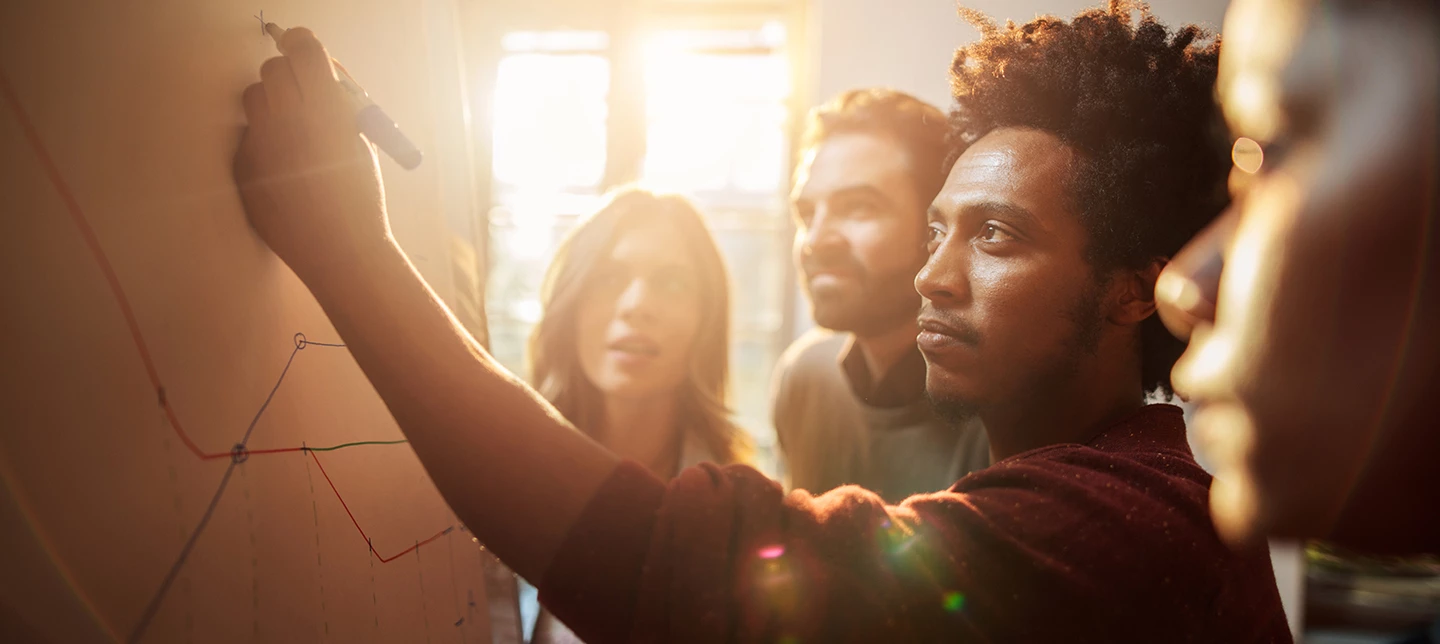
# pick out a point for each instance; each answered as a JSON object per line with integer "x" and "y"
{"x": 945, "y": 278}
{"x": 821, "y": 236}
{"x": 1186, "y": 290}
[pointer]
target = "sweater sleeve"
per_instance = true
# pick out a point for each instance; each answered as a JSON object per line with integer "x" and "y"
{"x": 723, "y": 555}
{"x": 1024, "y": 551}
{"x": 593, "y": 582}
{"x": 733, "y": 558}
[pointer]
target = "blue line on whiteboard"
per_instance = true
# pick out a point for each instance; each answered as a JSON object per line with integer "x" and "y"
{"x": 155, "y": 601}
{"x": 239, "y": 456}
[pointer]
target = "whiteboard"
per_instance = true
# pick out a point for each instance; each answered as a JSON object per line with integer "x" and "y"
{"x": 185, "y": 455}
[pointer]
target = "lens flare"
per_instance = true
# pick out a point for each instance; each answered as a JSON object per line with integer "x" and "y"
{"x": 1247, "y": 155}
{"x": 953, "y": 602}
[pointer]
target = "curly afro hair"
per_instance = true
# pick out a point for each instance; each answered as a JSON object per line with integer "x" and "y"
{"x": 1136, "y": 100}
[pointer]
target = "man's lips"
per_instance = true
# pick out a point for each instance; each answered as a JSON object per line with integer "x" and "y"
{"x": 827, "y": 283}
{"x": 834, "y": 266}
{"x": 937, "y": 335}
{"x": 830, "y": 274}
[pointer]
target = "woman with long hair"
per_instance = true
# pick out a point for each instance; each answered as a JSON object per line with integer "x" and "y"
{"x": 633, "y": 342}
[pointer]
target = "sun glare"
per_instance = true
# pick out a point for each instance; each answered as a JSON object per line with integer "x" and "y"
{"x": 550, "y": 116}
{"x": 715, "y": 118}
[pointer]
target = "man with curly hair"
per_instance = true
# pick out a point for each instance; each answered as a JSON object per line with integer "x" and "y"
{"x": 1085, "y": 157}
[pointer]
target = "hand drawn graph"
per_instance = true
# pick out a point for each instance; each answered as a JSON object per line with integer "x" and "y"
{"x": 236, "y": 456}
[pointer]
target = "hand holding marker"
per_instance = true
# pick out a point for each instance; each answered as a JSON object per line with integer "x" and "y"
{"x": 374, "y": 124}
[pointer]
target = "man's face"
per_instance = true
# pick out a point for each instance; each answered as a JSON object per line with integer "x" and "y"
{"x": 1011, "y": 307}
{"x": 1323, "y": 331}
{"x": 860, "y": 233}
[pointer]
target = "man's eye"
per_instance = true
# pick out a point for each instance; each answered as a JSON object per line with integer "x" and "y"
{"x": 993, "y": 233}
{"x": 937, "y": 233}
{"x": 934, "y": 236}
{"x": 859, "y": 208}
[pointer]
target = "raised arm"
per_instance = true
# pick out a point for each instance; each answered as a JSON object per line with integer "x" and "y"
{"x": 512, "y": 469}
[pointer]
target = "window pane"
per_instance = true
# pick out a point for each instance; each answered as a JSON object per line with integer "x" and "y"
{"x": 549, "y": 159}
{"x": 715, "y": 120}
{"x": 513, "y": 300}
{"x": 716, "y": 112}
{"x": 523, "y": 239}
{"x": 758, "y": 258}
{"x": 555, "y": 41}
{"x": 550, "y": 116}
{"x": 771, "y": 35}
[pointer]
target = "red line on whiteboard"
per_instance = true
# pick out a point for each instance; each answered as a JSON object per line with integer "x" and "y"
{"x": 92, "y": 242}
{"x": 240, "y": 452}
{"x": 343, "y": 504}
{"x": 86, "y": 232}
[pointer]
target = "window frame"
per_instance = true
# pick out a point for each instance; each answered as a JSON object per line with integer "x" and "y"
{"x": 628, "y": 24}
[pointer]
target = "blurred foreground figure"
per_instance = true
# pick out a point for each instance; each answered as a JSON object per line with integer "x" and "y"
{"x": 1315, "y": 354}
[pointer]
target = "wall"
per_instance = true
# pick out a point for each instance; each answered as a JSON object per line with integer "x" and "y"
{"x": 908, "y": 44}
{"x": 145, "y": 331}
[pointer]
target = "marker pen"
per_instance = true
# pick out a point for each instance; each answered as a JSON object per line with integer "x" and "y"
{"x": 373, "y": 122}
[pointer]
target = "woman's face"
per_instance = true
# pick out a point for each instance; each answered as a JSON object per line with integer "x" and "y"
{"x": 640, "y": 314}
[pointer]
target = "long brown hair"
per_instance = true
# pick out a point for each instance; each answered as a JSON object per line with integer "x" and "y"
{"x": 554, "y": 360}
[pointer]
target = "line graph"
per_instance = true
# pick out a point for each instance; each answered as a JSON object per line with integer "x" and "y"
{"x": 240, "y": 451}
{"x": 382, "y": 558}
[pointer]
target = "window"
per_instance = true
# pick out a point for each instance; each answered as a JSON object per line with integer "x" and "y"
{"x": 715, "y": 127}
{"x": 716, "y": 119}
{"x": 549, "y": 147}
{"x": 716, "y": 114}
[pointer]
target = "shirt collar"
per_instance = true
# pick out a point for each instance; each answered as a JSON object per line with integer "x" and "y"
{"x": 902, "y": 385}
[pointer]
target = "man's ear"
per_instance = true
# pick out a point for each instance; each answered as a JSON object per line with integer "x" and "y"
{"x": 1135, "y": 293}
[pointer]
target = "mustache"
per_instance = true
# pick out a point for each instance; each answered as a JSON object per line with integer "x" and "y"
{"x": 834, "y": 261}
{"x": 932, "y": 319}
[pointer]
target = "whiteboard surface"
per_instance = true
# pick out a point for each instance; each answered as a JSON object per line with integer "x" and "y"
{"x": 136, "y": 106}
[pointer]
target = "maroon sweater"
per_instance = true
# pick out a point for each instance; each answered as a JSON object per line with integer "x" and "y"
{"x": 1105, "y": 542}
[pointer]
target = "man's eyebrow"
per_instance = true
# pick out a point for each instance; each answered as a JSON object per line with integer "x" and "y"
{"x": 861, "y": 190}
{"x": 1001, "y": 208}
{"x": 856, "y": 190}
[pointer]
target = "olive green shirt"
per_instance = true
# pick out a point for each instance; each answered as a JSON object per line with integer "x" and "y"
{"x": 837, "y": 424}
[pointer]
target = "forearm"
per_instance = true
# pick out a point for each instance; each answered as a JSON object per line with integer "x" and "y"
{"x": 515, "y": 472}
